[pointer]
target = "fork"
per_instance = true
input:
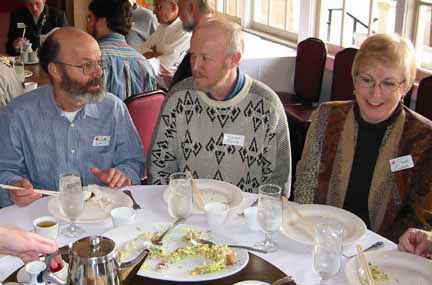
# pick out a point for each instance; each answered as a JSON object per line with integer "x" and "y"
{"x": 135, "y": 205}
{"x": 204, "y": 241}
{"x": 157, "y": 240}
{"x": 373, "y": 246}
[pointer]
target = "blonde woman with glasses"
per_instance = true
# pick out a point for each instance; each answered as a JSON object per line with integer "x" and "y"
{"x": 372, "y": 156}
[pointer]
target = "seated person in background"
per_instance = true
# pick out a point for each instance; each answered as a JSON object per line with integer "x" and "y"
{"x": 127, "y": 71}
{"x": 170, "y": 42}
{"x": 372, "y": 156}
{"x": 220, "y": 123}
{"x": 26, "y": 245}
{"x": 38, "y": 18}
{"x": 416, "y": 241}
{"x": 70, "y": 125}
{"x": 191, "y": 13}
{"x": 144, "y": 23}
{"x": 10, "y": 87}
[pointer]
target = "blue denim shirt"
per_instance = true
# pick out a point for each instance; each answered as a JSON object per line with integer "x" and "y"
{"x": 127, "y": 72}
{"x": 39, "y": 143}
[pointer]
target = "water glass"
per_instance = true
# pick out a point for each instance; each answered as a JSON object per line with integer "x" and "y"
{"x": 327, "y": 250}
{"x": 72, "y": 202}
{"x": 19, "y": 70}
{"x": 180, "y": 195}
{"x": 269, "y": 214}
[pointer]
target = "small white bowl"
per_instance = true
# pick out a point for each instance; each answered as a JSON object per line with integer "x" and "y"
{"x": 122, "y": 216}
{"x": 46, "y": 226}
{"x": 216, "y": 213}
{"x": 251, "y": 217}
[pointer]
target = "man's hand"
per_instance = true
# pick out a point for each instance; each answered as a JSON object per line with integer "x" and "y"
{"x": 17, "y": 43}
{"x": 112, "y": 177}
{"x": 416, "y": 241}
{"x": 26, "y": 196}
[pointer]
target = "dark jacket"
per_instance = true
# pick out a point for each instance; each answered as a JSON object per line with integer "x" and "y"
{"x": 50, "y": 18}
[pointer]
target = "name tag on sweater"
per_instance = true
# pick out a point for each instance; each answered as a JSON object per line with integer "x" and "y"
{"x": 230, "y": 139}
{"x": 401, "y": 163}
{"x": 101, "y": 140}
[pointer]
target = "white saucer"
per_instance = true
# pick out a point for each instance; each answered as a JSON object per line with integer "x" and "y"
{"x": 23, "y": 277}
{"x": 251, "y": 282}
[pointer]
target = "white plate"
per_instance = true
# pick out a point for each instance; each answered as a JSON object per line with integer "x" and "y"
{"x": 251, "y": 282}
{"x": 93, "y": 212}
{"x": 181, "y": 270}
{"x": 27, "y": 73}
{"x": 23, "y": 276}
{"x": 214, "y": 191}
{"x": 31, "y": 62}
{"x": 354, "y": 227}
{"x": 402, "y": 268}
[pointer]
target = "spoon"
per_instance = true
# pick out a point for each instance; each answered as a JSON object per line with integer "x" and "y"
{"x": 204, "y": 241}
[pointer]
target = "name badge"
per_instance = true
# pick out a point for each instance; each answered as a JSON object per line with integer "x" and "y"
{"x": 21, "y": 25}
{"x": 230, "y": 139}
{"x": 401, "y": 163}
{"x": 101, "y": 140}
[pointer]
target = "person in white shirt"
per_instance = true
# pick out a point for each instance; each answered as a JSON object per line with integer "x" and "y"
{"x": 144, "y": 24}
{"x": 10, "y": 87}
{"x": 169, "y": 43}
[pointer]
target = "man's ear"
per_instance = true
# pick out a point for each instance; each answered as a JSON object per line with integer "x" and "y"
{"x": 54, "y": 71}
{"x": 235, "y": 59}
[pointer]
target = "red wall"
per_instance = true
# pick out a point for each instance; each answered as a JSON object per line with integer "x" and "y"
{"x": 9, "y": 5}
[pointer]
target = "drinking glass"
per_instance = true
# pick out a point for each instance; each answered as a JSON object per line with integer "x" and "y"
{"x": 269, "y": 214}
{"x": 327, "y": 250}
{"x": 72, "y": 202}
{"x": 180, "y": 195}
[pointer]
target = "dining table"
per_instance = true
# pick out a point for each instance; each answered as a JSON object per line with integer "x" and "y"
{"x": 38, "y": 74}
{"x": 293, "y": 258}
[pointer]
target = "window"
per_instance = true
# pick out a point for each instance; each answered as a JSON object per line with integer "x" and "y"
{"x": 232, "y": 8}
{"x": 349, "y": 22}
{"x": 424, "y": 33}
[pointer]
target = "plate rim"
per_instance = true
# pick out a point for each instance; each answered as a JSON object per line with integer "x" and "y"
{"x": 206, "y": 180}
{"x": 310, "y": 242}
{"x": 29, "y": 73}
{"x": 164, "y": 277}
{"x": 92, "y": 221}
{"x": 349, "y": 266}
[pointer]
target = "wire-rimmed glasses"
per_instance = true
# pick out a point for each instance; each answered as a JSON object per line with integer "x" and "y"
{"x": 387, "y": 86}
{"x": 88, "y": 67}
{"x": 71, "y": 202}
{"x": 269, "y": 214}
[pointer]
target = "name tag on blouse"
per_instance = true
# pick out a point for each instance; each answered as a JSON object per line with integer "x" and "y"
{"x": 101, "y": 140}
{"x": 230, "y": 139}
{"x": 401, "y": 163}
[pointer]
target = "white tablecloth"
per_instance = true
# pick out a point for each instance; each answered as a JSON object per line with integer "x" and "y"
{"x": 293, "y": 258}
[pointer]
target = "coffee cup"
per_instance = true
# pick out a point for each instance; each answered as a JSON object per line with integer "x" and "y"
{"x": 251, "y": 217}
{"x": 122, "y": 216}
{"x": 29, "y": 86}
{"x": 46, "y": 226}
{"x": 216, "y": 213}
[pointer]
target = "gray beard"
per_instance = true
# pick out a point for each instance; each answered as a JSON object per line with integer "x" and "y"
{"x": 77, "y": 92}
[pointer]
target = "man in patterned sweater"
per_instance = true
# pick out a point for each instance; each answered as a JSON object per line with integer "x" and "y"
{"x": 220, "y": 123}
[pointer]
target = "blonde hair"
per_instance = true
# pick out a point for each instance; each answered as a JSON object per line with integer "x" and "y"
{"x": 389, "y": 50}
{"x": 232, "y": 31}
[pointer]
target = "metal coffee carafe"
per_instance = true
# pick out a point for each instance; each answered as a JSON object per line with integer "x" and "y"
{"x": 94, "y": 260}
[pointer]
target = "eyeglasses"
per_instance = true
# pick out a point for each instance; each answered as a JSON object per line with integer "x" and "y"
{"x": 386, "y": 86}
{"x": 88, "y": 67}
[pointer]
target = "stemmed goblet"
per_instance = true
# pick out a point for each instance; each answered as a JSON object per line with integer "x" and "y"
{"x": 327, "y": 250}
{"x": 72, "y": 202}
{"x": 180, "y": 195}
{"x": 269, "y": 214}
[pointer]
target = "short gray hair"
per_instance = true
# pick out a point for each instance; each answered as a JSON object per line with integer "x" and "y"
{"x": 233, "y": 33}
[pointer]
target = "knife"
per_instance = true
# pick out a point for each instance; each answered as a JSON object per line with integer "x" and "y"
{"x": 135, "y": 205}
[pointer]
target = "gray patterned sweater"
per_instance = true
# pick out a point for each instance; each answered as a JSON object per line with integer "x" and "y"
{"x": 205, "y": 136}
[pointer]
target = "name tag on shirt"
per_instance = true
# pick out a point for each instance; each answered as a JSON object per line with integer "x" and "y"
{"x": 101, "y": 140}
{"x": 401, "y": 163}
{"x": 21, "y": 25}
{"x": 230, "y": 139}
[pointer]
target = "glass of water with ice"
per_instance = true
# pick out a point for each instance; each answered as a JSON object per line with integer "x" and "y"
{"x": 327, "y": 250}
{"x": 180, "y": 195}
{"x": 71, "y": 201}
{"x": 269, "y": 214}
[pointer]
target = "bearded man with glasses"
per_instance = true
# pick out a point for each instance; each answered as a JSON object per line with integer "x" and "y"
{"x": 372, "y": 156}
{"x": 71, "y": 125}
